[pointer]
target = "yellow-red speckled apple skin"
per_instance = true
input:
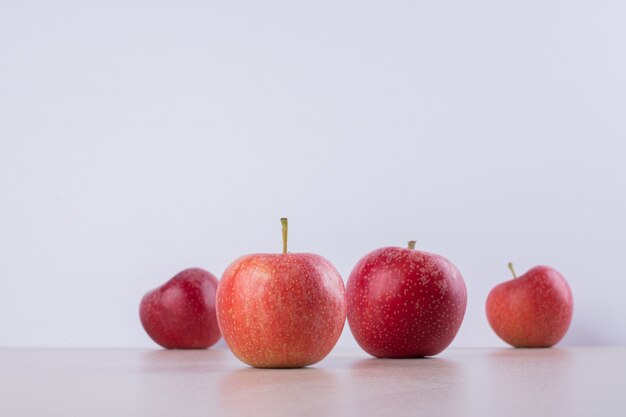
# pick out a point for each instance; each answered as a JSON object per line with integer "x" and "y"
{"x": 532, "y": 310}
{"x": 281, "y": 310}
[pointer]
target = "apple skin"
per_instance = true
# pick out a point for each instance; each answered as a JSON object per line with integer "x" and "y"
{"x": 532, "y": 310}
{"x": 404, "y": 303}
{"x": 180, "y": 314}
{"x": 281, "y": 310}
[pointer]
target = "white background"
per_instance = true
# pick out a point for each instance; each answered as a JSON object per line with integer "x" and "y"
{"x": 141, "y": 138}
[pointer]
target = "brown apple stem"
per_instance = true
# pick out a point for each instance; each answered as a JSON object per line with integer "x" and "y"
{"x": 512, "y": 270}
{"x": 411, "y": 244}
{"x": 283, "y": 222}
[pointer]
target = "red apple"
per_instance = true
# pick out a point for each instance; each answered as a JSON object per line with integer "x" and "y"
{"x": 533, "y": 310}
{"x": 281, "y": 310}
{"x": 404, "y": 303}
{"x": 180, "y": 314}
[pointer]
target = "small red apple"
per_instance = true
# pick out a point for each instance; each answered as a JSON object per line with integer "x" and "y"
{"x": 180, "y": 314}
{"x": 404, "y": 303}
{"x": 532, "y": 310}
{"x": 281, "y": 310}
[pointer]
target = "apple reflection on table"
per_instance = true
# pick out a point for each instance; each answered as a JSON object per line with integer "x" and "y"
{"x": 286, "y": 392}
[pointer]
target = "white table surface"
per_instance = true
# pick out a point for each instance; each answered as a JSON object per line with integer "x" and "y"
{"x": 582, "y": 381}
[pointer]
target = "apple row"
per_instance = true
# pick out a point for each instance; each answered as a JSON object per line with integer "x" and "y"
{"x": 287, "y": 310}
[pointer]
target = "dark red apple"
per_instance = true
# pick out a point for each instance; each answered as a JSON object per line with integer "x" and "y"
{"x": 405, "y": 303}
{"x": 281, "y": 310}
{"x": 532, "y": 310}
{"x": 180, "y": 314}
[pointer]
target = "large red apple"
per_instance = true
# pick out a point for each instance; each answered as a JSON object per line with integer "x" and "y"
{"x": 404, "y": 303}
{"x": 532, "y": 310}
{"x": 281, "y": 310}
{"x": 180, "y": 314}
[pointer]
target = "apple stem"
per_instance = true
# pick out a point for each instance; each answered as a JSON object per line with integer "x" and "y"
{"x": 411, "y": 244}
{"x": 512, "y": 270}
{"x": 283, "y": 222}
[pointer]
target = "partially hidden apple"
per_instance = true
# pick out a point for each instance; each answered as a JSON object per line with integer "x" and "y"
{"x": 180, "y": 314}
{"x": 532, "y": 310}
{"x": 283, "y": 310}
{"x": 405, "y": 303}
